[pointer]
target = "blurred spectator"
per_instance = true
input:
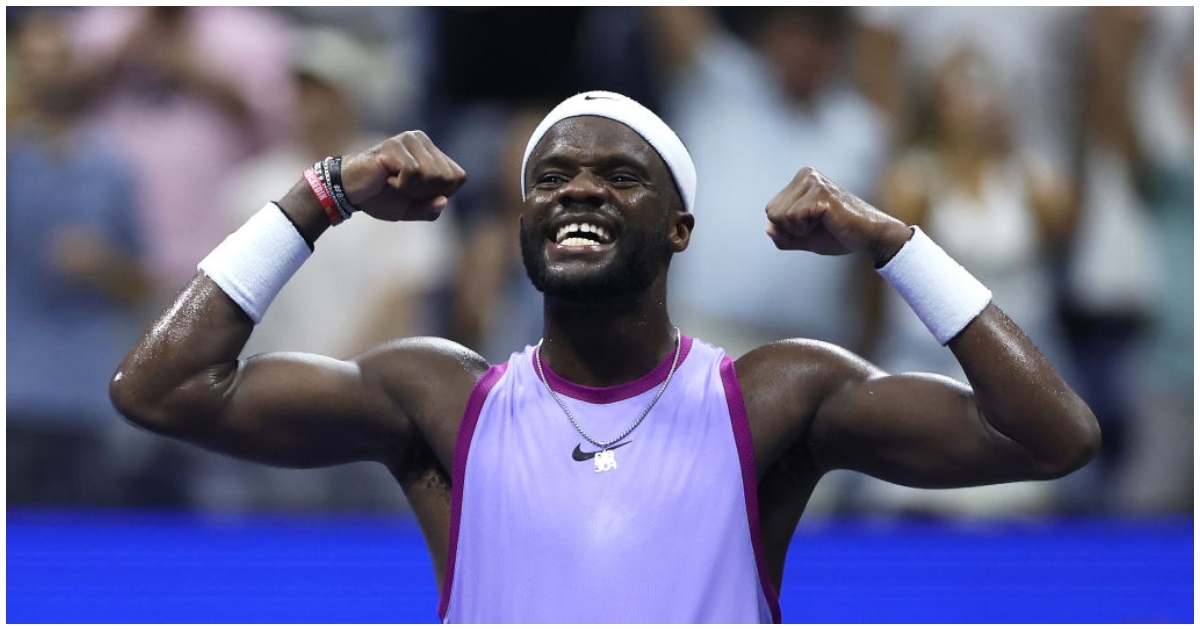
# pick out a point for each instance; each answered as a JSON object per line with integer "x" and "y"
{"x": 497, "y": 310}
{"x": 1110, "y": 275}
{"x": 1091, "y": 96}
{"x": 187, "y": 93}
{"x": 73, "y": 278}
{"x": 483, "y": 56}
{"x": 370, "y": 282}
{"x": 400, "y": 38}
{"x": 1001, "y": 214}
{"x": 1028, "y": 48}
{"x": 753, "y": 111}
{"x": 1159, "y": 475}
{"x": 999, "y": 211}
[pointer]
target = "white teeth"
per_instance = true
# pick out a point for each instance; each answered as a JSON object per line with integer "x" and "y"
{"x": 581, "y": 228}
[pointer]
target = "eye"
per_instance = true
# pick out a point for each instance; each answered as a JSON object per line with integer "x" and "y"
{"x": 624, "y": 179}
{"x": 548, "y": 181}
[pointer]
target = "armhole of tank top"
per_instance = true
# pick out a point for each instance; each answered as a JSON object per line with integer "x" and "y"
{"x": 745, "y": 449}
{"x": 461, "y": 445}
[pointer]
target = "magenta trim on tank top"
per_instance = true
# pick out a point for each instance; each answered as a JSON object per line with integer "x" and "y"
{"x": 461, "y": 445}
{"x": 745, "y": 448}
{"x": 607, "y": 395}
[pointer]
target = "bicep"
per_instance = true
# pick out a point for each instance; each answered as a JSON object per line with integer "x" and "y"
{"x": 919, "y": 430}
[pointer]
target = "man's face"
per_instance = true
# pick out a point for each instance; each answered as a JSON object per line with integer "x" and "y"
{"x": 601, "y": 210}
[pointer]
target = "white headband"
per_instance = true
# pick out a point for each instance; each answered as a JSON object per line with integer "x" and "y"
{"x": 635, "y": 116}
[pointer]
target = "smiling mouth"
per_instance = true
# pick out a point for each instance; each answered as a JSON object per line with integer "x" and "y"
{"x": 582, "y": 235}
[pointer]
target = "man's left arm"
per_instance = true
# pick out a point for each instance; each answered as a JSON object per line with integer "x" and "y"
{"x": 1017, "y": 420}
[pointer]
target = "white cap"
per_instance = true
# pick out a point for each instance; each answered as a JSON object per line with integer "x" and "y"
{"x": 635, "y": 116}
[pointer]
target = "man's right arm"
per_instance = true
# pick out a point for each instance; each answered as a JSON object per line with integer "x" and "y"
{"x": 184, "y": 378}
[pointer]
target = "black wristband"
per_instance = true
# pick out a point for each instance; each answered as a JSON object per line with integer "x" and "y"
{"x": 327, "y": 179}
{"x": 335, "y": 183}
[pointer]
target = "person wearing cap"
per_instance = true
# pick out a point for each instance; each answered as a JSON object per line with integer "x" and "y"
{"x": 618, "y": 470}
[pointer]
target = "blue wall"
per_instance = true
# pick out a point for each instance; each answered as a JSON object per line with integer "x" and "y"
{"x": 122, "y": 568}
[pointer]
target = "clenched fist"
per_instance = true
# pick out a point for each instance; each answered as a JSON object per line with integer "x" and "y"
{"x": 403, "y": 178}
{"x": 812, "y": 213}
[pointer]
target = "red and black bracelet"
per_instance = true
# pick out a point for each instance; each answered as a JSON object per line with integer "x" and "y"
{"x": 322, "y": 193}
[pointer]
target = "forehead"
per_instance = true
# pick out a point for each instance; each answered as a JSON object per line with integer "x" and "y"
{"x": 595, "y": 137}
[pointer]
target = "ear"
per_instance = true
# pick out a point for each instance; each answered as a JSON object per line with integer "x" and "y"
{"x": 681, "y": 231}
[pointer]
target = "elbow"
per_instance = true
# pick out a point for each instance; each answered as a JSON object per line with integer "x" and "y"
{"x": 136, "y": 404}
{"x": 125, "y": 397}
{"x": 174, "y": 407}
{"x": 1087, "y": 438}
{"x": 1079, "y": 446}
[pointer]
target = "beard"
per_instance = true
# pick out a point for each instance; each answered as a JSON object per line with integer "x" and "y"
{"x": 640, "y": 255}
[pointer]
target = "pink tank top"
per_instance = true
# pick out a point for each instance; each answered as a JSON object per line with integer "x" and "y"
{"x": 668, "y": 536}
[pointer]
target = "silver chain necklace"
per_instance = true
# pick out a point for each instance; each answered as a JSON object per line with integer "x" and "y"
{"x": 606, "y": 459}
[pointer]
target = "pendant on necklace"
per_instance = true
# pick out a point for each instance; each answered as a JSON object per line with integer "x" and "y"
{"x": 605, "y": 460}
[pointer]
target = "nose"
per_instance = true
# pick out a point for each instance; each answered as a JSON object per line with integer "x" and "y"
{"x": 585, "y": 187}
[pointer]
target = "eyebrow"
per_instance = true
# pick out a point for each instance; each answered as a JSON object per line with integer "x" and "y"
{"x": 605, "y": 163}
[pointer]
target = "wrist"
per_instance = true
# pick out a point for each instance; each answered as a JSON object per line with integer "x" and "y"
{"x": 305, "y": 212}
{"x": 254, "y": 262}
{"x": 895, "y": 236}
{"x": 944, "y": 295}
{"x": 359, "y": 177}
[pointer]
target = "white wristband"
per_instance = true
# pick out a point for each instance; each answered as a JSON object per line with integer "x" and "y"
{"x": 942, "y": 293}
{"x": 252, "y": 264}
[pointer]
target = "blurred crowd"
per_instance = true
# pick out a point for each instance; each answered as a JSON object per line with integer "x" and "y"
{"x": 1050, "y": 150}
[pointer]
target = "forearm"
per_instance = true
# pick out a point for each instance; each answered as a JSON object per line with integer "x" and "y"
{"x": 1022, "y": 396}
{"x": 1020, "y": 422}
{"x": 1017, "y": 391}
{"x": 304, "y": 211}
{"x": 185, "y": 363}
{"x": 184, "y": 377}
{"x": 184, "y": 380}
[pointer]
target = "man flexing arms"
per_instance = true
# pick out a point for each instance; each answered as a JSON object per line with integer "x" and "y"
{"x": 618, "y": 470}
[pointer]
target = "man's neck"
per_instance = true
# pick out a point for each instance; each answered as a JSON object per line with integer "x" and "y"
{"x": 608, "y": 343}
